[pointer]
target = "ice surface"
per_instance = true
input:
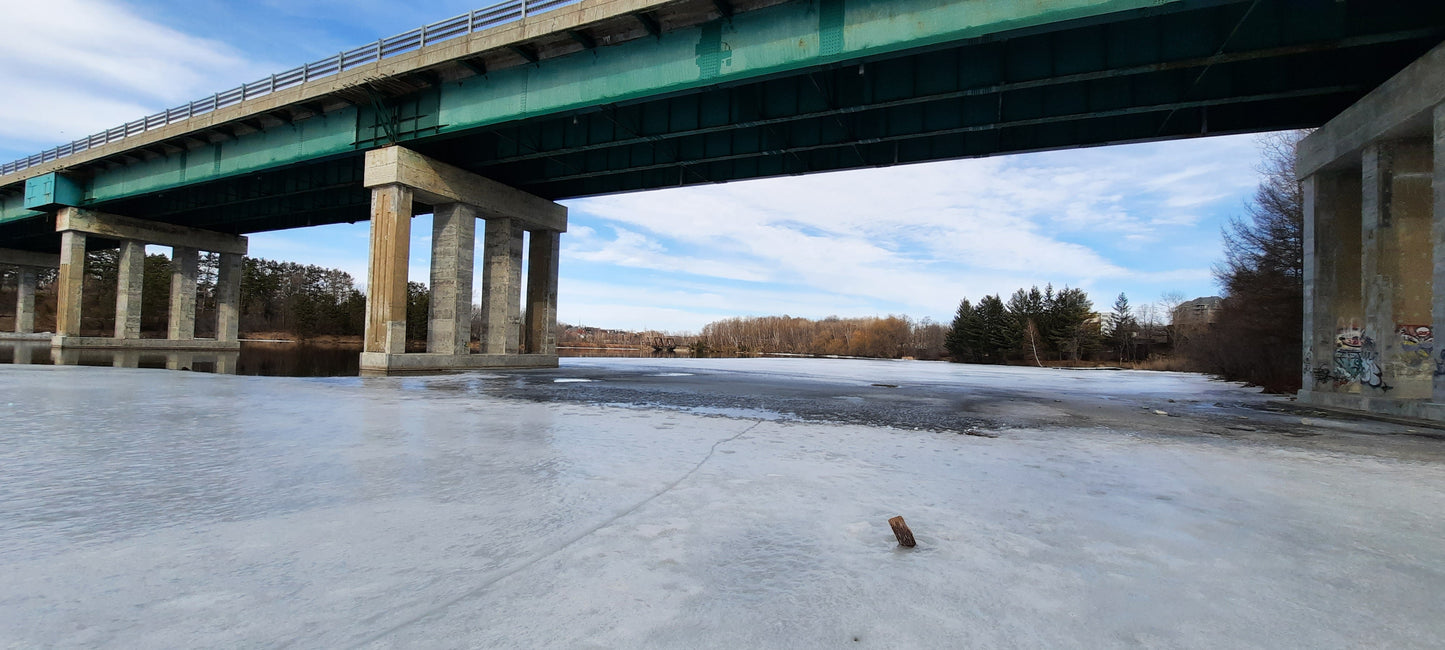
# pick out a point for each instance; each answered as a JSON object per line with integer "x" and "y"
{"x": 145, "y": 508}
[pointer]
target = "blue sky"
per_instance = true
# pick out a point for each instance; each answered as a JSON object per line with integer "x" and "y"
{"x": 1142, "y": 219}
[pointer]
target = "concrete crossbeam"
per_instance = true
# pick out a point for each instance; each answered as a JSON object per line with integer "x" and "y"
{"x": 129, "y": 280}
{"x": 184, "y": 272}
{"x": 1402, "y": 106}
{"x": 541, "y": 317}
{"x": 12, "y": 257}
{"x": 453, "y": 242}
{"x": 113, "y": 226}
{"x": 435, "y": 183}
{"x": 502, "y": 287}
{"x": 391, "y": 207}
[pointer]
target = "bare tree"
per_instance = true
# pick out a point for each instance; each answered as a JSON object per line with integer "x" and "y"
{"x": 1257, "y": 338}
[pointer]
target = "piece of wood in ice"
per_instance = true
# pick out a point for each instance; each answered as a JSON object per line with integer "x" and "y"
{"x": 900, "y": 530}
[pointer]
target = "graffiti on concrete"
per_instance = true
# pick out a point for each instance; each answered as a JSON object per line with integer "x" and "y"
{"x": 1349, "y": 338}
{"x": 1356, "y": 360}
{"x": 1417, "y": 347}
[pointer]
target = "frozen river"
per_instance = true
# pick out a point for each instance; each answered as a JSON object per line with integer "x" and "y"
{"x": 729, "y": 503}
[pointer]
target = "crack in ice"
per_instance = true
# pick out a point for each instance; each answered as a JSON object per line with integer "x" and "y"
{"x": 475, "y": 591}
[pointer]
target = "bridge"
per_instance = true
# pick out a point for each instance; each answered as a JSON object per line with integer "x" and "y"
{"x": 501, "y": 112}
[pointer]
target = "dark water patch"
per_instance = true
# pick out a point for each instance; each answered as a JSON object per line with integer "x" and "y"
{"x": 254, "y": 358}
{"x": 298, "y": 360}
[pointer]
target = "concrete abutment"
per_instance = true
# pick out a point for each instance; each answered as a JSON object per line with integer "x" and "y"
{"x": 398, "y": 177}
{"x": 1374, "y": 249}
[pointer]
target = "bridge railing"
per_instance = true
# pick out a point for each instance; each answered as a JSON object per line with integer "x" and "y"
{"x": 467, "y": 23}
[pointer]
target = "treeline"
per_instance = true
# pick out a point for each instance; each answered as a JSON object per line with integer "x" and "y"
{"x": 304, "y": 300}
{"x": 283, "y": 298}
{"x": 1033, "y": 325}
{"x": 307, "y": 301}
{"x": 889, "y": 337}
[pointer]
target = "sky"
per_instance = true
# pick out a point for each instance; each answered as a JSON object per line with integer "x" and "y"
{"x": 909, "y": 240}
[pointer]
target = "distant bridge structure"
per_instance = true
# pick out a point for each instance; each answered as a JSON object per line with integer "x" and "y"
{"x": 501, "y": 112}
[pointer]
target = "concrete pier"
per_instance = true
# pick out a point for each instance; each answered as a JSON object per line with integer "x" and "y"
{"x": 453, "y": 243}
{"x": 386, "y": 279}
{"x": 76, "y": 225}
{"x": 228, "y": 298}
{"x": 541, "y": 327}
{"x": 397, "y": 177}
{"x": 501, "y": 287}
{"x": 69, "y": 283}
{"x": 1375, "y": 249}
{"x": 25, "y": 301}
{"x": 130, "y": 278}
{"x": 182, "y": 325}
{"x": 27, "y": 265}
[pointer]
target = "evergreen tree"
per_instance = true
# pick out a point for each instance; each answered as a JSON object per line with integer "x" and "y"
{"x": 1125, "y": 328}
{"x": 963, "y": 338}
{"x": 1028, "y": 312}
{"x": 418, "y": 307}
{"x": 1074, "y": 331}
{"x": 999, "y": 332}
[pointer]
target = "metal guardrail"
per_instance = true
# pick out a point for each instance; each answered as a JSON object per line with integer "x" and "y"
{"x": 467, "y": 23}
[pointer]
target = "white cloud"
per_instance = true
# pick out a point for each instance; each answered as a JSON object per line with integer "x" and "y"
{"x": 88, "y": 65}
{"x": 905, "y": 235}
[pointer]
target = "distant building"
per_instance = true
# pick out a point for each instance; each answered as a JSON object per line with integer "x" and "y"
{"x": 1197, "y": 312}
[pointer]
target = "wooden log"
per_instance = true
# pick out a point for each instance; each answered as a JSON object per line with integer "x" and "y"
{"x": 900, "y": 530}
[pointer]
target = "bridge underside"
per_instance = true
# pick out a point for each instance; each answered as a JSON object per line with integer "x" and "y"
{"x": 1190, "y": 70}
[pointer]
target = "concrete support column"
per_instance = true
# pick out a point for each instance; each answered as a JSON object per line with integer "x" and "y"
{"x": 541, "y": 326}
{"x": 69, "y": 283}
{"x": 228, "y": 297}
{"x": 1396, "y": 206}
{"x": 502, "y": 286}
{"x": 1334, "y": 311}
{"x": 1437, "y": 221}
{"x": 129, "y": 281}
{"x": 453, "y": 241}
{"x": 386, "y": 282}
{"x": 25, "y": 300}
{"x": 184, "y": 266}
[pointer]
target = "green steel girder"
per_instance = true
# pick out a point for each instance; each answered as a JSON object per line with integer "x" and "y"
{"x": 1189, "y": 81}
{"x": 327, "y": 191}
{"x": 801, "y": 87}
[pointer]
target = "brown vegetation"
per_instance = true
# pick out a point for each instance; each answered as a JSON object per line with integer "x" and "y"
{"x": 890, "y": 337}
{"x": 1257, "y": 337}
